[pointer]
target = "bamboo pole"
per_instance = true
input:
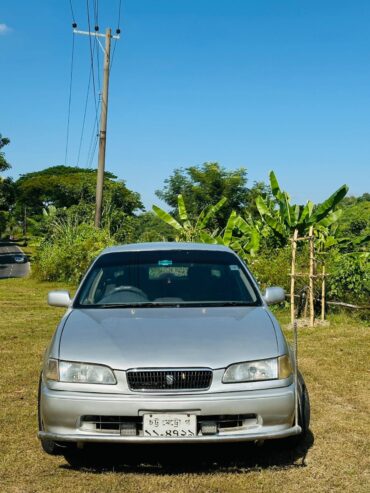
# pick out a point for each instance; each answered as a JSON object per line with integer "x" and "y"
{"x": 312, "y": 266}
{"x": 323, "y": 294}
{"x": 292, "y": 279}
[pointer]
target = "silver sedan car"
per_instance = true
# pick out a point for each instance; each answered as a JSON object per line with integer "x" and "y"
{"x": 166, "y": 343}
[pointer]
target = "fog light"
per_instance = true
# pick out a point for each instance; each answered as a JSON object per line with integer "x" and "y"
{"x": 208, "y": 427}
{"x": 128, "y": 429}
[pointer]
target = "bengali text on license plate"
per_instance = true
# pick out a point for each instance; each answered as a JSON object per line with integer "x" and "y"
{"x": 169, "y": 425}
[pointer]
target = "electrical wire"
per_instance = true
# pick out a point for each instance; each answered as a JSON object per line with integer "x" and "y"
{"x": 72, "y": 13}
{"x": 69, "y": 98}
{"x": 118, "y": 30}
{"x": 96, "y": 18}
{"x": 84, "y": 117}
{"x": 92, "y": 59}
{"x": 96, "y": 125}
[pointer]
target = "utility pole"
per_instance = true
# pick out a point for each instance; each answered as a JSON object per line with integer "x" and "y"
{"x": 103, "y": 131}
{"x": 103, "y": 117}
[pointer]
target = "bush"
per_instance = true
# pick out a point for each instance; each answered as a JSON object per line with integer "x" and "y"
{"x": 67, "y": 253}
{"x": 349, "y": 279}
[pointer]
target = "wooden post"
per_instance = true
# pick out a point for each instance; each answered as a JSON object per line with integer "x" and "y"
{"x": 292, "y": 274}
{"x": 312, "y": 264}
{"x": 323, "y": 286}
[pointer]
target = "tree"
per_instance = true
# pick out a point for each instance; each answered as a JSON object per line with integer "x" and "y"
{"x": 202, "y": 186}
{"x": 7, "y": 194}
{"x": 238, "y": 234}
{"x": 4, "y": 165}
{"x": 187, "y": 229}
{"x": 64, "y": 186}
{"x": 283, "y": 217}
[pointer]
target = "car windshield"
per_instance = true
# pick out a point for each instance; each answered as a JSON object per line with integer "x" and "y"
{"x": 167, "y": 278}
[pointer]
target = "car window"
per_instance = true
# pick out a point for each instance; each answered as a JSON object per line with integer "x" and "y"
{"x": 167, "y": 278}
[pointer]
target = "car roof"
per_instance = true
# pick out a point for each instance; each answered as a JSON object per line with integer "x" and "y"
{"x": 165, "y": 245}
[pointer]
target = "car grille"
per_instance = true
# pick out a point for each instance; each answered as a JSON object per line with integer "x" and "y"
{"x": 133, "y": 425}
{"x": 167, "y": 380}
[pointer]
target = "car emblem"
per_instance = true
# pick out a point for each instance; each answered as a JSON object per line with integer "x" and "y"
{"x": 169, "y": 379}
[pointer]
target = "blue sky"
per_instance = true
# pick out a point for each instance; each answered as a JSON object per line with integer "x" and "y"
{"x": 264, "y": 84}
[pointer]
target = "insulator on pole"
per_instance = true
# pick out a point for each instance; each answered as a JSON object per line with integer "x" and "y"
{"x": 74, "y": 25}
{"x": 96, "y": 28}
{"x": 118, "y": 31}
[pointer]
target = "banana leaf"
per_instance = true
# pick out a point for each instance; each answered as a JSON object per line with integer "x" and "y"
{"x": 275, "y": 188}
{"x": 167, "y": 218}
{"x": 328, "y": 205}
{"x": 230, "y": 226}
{"x": 306, "y": 212}
{"x": 183, "y": 213}
{"x": 262, "y": 207}
{"x": 209, "y": 212}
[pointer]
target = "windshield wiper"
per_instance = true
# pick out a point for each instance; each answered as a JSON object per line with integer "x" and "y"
{"x": 175, "y": 304}
{"x": 145, "y": 304}
{"x": 237, "y": 303}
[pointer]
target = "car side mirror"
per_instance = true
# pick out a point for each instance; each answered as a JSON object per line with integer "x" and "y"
{"x": 59, "y": 298}
{"x": 273, "y": 295}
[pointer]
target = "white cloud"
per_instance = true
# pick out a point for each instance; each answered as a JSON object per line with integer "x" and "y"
{"x": 4, "y": 29}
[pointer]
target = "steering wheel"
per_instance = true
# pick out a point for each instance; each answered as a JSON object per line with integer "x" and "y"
{"x": 129, "y": 289}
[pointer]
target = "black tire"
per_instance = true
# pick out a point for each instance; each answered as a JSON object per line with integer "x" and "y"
{"x": 304, "y": 409}
{"x": 304, "y": 413}
{"x": 48, "y": 446}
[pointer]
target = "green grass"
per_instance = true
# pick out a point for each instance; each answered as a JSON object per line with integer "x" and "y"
{"x": 334, "y": 361}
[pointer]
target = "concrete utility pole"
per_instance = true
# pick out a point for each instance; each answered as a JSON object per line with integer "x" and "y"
{"x": 103, "y": 118}
{"x": 103, "y": 131}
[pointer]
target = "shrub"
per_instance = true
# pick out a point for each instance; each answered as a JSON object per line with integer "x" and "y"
{"x": 66, "y": 254}
{"x": 349, "y": 279}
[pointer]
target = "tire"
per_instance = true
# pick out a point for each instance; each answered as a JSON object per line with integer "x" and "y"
{"x": 304, "y": 408}
{"x": 304, "y": 413}
{"x": 48, "y": 446}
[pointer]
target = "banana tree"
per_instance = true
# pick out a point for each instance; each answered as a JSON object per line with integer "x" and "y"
{"x": 283, "y": 217}
{"x": 241, "y": 236}
{"x": 186, "y": 229}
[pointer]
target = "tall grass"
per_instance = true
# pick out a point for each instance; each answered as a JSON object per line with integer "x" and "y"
{"x": 68, "y": 249}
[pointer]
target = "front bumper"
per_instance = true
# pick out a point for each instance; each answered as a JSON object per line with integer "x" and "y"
{"x": 61, "y": 414}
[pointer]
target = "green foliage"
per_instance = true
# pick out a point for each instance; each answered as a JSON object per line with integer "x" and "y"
{"x": 355, "y": 220}
{"x": 67, "y": 253}
{"x": 3, "y": 222}
{"x": 64, "y": 186}
{"x": 283, "y": 217}
{"x": 149, "y": 227}
{"x": 272, "y": 273}
{"x": 7, "y": 194}
{"x": 202, "y": 186}
{"x": 186, "y": 230}
{"x": 238, "y": 234}
{"x": 4, "y": 165}
{"x": 349, "y": 279}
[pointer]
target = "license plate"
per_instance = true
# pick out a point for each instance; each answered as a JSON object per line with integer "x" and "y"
{"x": 170, "y": 425}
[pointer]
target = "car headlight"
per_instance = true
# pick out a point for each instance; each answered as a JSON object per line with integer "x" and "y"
{"x": 72, "y": 372}
{"x": 252, "y": 371}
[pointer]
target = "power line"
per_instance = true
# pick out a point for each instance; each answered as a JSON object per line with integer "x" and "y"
{"x": 93, "y": 142}
{"x": 118, "y": 30}
{"x": 96, "y": 18}
{"x": 72, "y": 13}
{"x": 69, "y": 98}
{"x": 119, "y": 14}
{"x": 92, "y": 59}
{"x": 84, "y": 117}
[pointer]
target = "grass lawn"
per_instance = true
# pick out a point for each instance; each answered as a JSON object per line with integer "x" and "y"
{"x": 335, "y": 456}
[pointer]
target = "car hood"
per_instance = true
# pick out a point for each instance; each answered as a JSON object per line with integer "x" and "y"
{"x": 168, "y": 337}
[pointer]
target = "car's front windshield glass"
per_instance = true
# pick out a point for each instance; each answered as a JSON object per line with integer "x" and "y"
{"x": 167, "y": 278}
